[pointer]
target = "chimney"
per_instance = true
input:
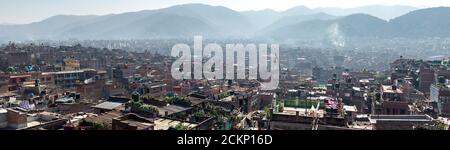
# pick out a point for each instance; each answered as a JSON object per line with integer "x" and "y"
{"x": 166, "y": 113}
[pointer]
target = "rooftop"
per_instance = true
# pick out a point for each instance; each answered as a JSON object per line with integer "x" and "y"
{"x": 415, "y": 118}
{"x": 301, "y": 111}
{"x": 140, "y": 125}
{"x": 65, "y": 72}
{"x": 66, "y": 100}
{"x": 357, "y": 89}
{"x": 165, "y": 124}
{"x": 171, "y": 109}
{"x": 195, "y": 101}
{"x": 20, "y": 76}
{"x": 350, "y": 108}
{"x": 107, "y": 105}
{"x": 137, "y": 121}
{"x": 227, "y": 99}
{"x": 103, "y": 118}
{"x": 388, "y": 89}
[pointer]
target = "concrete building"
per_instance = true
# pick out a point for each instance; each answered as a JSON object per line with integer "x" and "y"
{"x": 440, "y": 94}
{"x": 394, "y": 101}
{"x": 166, "y": 124}
{"x": 391, "y": 93}
{"x": 3, "y": 118}
{"x": 18, "y": 57}
{"x": 426, "y": 79}
{"x": 71, "y": 64}
{"x": 68, "y": 79}
{"x": 107, "y": 106}
{"x": 15, "y": 81}
{"x": 46, "y": 79}
{"x": 19, "y": 118}
{"x": 266, "y": 100}
{"x": 132, "y": 122}
{"x": 16, "y": 119}
{"x": 92, "y": 89}
{"x": 3, "y": 86}
{"x": 300, "y": 119}
{"x": 399, "y": 122}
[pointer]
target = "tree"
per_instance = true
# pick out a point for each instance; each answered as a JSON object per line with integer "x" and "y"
{"x": 141, "y": 108}
{"x": 180, "y": 126}
{"x": 280, "y": 108}
{"x": 380, "y": 77}
{"x": 93, "y": 125}
{"x": 181, "y": 101}
{"x": 442, "y": 126}
{"x": 267, "y": 112}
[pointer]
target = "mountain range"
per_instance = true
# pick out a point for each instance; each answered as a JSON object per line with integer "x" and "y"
{"x": 220, "y": 22}
{"x": 421, "y": 23}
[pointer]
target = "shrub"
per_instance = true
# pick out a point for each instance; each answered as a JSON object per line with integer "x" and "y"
{"x": 92, "y": 125}
{"x": 180, "y": 101}
{"x": 180, "y": 126}
{"x": 142, "y": 109}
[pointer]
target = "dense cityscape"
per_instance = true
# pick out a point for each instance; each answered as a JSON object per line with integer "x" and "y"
{"x": 339, "y": 69}
{"x": 84, "y": 88}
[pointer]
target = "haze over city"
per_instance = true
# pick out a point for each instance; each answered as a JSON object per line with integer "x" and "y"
{"x": 224, "y": 65}
{"x": 33, "y": 11}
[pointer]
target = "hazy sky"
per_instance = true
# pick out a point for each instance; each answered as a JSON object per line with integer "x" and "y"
{"x": 25, "y": 11}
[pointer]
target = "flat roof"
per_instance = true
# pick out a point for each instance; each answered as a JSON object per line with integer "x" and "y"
{"x": 107, "y": 105}
{"x": 350, "y": 108}
{"x": 227, "y": 99}
{"x": 356, "y": 88}
{"x": 165, "y": 124}
{"x": 105, "y": 117}
{"x": 388, "y": 89}
{"x": 7, "y": 94}
{"x": 33, "y": 123}
{"x": 415, "y": 118}
{"x": 139, "y": 124}
{"x": 171, "y": 109}
{"x": 302, "y": 111}
{"x": 20, "y": 76}
{"x": 159, "y": 85}
{"x": 65, "y": 99}
{"x": 364, "y": 80}
{"x": 64, "y": 72}
{"x": 292, "y": 90}
{"x": 195, "y": 100}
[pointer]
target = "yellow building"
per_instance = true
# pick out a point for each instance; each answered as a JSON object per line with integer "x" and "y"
{"x": 71, "y": 64}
